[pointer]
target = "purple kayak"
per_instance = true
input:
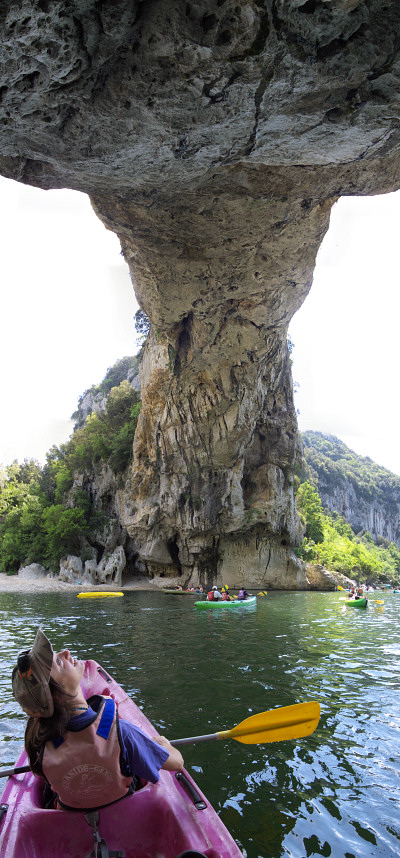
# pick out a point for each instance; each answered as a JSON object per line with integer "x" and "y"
{"x": 164, "y": 820}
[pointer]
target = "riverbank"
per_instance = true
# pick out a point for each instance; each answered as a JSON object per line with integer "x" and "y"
{"x": 18, "y": 584}
{"x": 30, "y": 583}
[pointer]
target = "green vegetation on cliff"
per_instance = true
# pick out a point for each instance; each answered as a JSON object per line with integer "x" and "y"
{"x": 330, "y": 465}
{"x": 123, "y": 369}
{"x": 328, "y": 462}
{"x": 48, "y": 512}
{"x": 45, "y": 513}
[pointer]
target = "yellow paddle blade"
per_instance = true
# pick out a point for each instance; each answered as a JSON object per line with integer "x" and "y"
{"x": 340, "y": 588}
{"x": 379, "y": 601}
{"x": 276, "y": 725}
{"x": 262, "y": 593}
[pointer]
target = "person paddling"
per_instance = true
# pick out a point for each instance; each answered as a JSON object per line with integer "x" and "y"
{"x": 242, "y": 595}
{"x": 214, "y": 595}
{"x": 87, "y": 755}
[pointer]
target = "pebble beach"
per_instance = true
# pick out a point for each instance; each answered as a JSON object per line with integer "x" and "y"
{"x": 17, "y": 584}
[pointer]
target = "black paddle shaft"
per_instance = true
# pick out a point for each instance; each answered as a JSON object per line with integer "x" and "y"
{"x": 19, "y": 770}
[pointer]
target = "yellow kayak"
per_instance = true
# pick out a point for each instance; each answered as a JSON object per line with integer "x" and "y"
{"x": 95, "y": 595}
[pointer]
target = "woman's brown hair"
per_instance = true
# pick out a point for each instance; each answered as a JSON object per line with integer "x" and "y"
{"x": 41, "y": 730}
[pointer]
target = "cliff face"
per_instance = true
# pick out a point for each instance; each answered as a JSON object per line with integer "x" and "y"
{"x": 213, "y": 138}
{"x": 362, "y": 492}
{"x": 380, "y": 519}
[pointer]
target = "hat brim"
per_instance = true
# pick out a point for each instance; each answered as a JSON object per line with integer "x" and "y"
{"x": 32, "y": 689}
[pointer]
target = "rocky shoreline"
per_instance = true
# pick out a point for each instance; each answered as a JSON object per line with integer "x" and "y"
{"x": 17, "y": 584}
{"x": 29, "y": 581}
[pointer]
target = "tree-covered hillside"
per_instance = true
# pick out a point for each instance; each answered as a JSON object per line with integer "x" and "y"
{"x": 51, "y": 511}
{"x": 94, "y": 400}
{"x": 329, "y": 463}
{"x": 347, "y": 503}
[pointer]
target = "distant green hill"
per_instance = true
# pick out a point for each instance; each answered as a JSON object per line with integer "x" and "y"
{"x": 359, "y": 506}
{"x": 364, "y": 493}
{"x": 329, "y": 464}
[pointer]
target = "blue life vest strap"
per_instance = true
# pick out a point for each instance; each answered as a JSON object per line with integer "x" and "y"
{"x": 106, "y": 720}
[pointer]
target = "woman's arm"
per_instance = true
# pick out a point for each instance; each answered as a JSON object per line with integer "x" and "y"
{"x": 174, "y": 763}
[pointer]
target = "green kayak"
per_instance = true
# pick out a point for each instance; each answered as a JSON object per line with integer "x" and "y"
{"x": 236, "y": 603}
{"x": 357, "y": 603}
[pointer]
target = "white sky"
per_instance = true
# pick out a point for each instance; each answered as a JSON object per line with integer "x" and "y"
{"x": 67, "y": 311}
{"x": 67, "y": 314}
{"x": 346, "y": 354}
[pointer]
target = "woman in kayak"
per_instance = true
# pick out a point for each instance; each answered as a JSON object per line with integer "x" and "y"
{"x": 242, "y": 595}
{"x": 87, "y": 755}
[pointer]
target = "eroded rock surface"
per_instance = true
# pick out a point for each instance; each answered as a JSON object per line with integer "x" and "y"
{"x": 32, "y": 572}
{"x": 320, "y": 578}
{"x": 108, "y": 571}
{"x": 213, "y": 138}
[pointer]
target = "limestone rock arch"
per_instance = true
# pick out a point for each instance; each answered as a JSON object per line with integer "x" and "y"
{"x": 213, "y": 137}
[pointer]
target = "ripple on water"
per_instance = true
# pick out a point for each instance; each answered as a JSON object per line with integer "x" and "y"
{"x": 334, "y": 793}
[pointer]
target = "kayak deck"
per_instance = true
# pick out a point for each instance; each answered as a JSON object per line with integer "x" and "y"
{"x": 93, "y": 594}
{"x": 158, "y": 821}
{"x": 357, "y": 603}
{"x": 236, "y": 603}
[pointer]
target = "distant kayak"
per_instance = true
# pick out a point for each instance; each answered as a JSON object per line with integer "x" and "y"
{"x": 235, "y": 603}
{"x": 99, "y": 594}
{"x": 181, "y": 592}
{"x": 356, "y": 603}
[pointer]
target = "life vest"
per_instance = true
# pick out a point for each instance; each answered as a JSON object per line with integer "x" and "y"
{"x": 84, "y": 767}
{"x": 210, "y": 596}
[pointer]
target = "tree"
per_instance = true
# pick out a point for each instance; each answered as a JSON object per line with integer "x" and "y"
{"x": 65, "y": 529}
{"x": 119, "y": 404}
{"x": 142, "y": 325}
{"x": 309, "y": 504}
{"x": 116, "y": 374}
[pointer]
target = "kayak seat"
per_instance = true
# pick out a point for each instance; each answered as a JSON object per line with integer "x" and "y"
{"x": 100, "y": 849}
{"x": 133, "y": 824}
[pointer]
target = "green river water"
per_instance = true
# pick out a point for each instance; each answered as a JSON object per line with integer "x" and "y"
{"x": 335, "y": 793}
